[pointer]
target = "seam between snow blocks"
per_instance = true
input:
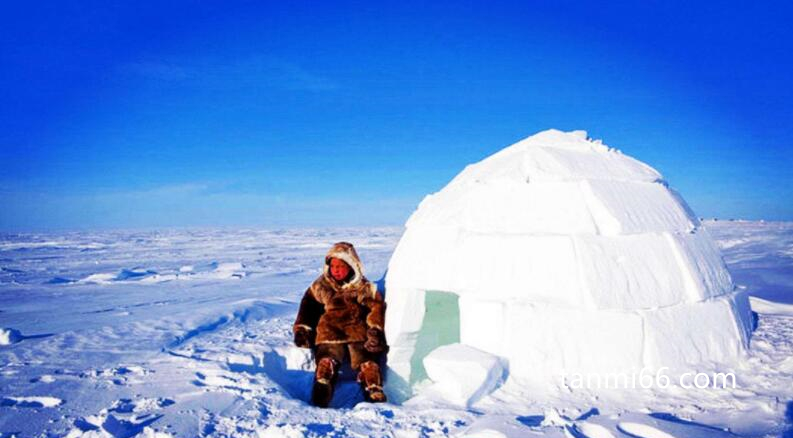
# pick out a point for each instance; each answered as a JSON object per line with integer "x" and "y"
{"x": 580, "y": 276}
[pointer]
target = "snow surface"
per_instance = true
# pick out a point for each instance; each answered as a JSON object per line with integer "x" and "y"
{"x": 212, "y": 356}
{"x": 562, "y": 249}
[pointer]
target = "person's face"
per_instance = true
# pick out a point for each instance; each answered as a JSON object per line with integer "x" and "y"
{"x": 338, "y": 269}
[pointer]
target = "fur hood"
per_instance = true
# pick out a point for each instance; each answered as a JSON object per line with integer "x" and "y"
{"x": 346, "y": 252}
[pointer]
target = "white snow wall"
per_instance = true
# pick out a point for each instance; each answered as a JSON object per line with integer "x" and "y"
{"x": 568, "y": 257}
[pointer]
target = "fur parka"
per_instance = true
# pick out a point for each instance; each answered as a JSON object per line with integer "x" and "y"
{"x": 338, "y": 313}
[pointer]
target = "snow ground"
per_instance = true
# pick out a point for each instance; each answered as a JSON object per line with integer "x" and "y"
{"x": 188, "y": 333}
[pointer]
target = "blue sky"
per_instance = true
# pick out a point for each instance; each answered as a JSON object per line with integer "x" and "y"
{"x": 162, "y": 114}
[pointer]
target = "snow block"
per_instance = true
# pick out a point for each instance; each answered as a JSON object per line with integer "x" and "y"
{"x": 434, "y": 269}
{"x": 463, "y": 374}
{"x": 745, "y": 319}
{"x": 692, "y": 333}
{"x": 631, "y": 272}
{"x": 506, "y": 266}
{"x": 405, "y": 313}
{"x": 546, "y": 340}
{"x": 482, "y": 324}
{"x": 704, "y": 263}
{"x": 627, "y": 207}
{"x": 509, "y": 207}
{"x": 494, "y": 266}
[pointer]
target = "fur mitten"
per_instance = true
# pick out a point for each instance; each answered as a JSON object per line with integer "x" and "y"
{"x": 304, "y": 338}
{"x": 375, "y": 341}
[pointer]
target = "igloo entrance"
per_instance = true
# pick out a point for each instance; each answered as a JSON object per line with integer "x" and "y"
{"x": 440, "y": 326}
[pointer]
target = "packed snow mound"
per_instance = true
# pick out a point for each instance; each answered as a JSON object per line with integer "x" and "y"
{"x": 561, "y": 255}
{"x": 9, "y": 336}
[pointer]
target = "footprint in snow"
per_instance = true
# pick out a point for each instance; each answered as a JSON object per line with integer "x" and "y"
{"x": 124, "y": 418}
{"x": 219, "y": 381}
{"x": 120, "y": 375}
{"x": 121, "y": 371}
{"x": 105, "y": 424}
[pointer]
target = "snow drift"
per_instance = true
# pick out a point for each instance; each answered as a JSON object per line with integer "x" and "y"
{"x": 560, "y": 255}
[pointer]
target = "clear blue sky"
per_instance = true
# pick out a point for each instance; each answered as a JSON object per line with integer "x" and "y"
{"x": 148, "y": 114}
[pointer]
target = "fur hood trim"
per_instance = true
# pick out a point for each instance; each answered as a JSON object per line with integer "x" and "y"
{"x": 346, "y": 252}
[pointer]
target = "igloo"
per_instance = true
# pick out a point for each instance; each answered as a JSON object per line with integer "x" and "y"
{"x": 560, "y": 255}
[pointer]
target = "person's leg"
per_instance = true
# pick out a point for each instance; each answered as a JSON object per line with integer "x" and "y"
{"x": 328, "y": 358}
{"x": 369, "y": 374}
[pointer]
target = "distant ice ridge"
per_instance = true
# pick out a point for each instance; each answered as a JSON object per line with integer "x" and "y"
{"x": 561, "y": 255}
{"x": 214, "y": 270}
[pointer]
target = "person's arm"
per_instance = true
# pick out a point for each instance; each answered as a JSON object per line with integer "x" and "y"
{"x": 375, "y": 320}
{"x": 305, "y": 326}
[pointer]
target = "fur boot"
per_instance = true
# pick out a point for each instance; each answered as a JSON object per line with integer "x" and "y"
{"x": 324, "y": 382}
{"x": 372, "y": 382}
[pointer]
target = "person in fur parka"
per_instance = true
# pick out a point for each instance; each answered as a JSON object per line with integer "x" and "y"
{"x": 342, "y": 315}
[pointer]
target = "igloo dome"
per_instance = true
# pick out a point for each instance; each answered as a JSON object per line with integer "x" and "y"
{"x": 560, "y": 255}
